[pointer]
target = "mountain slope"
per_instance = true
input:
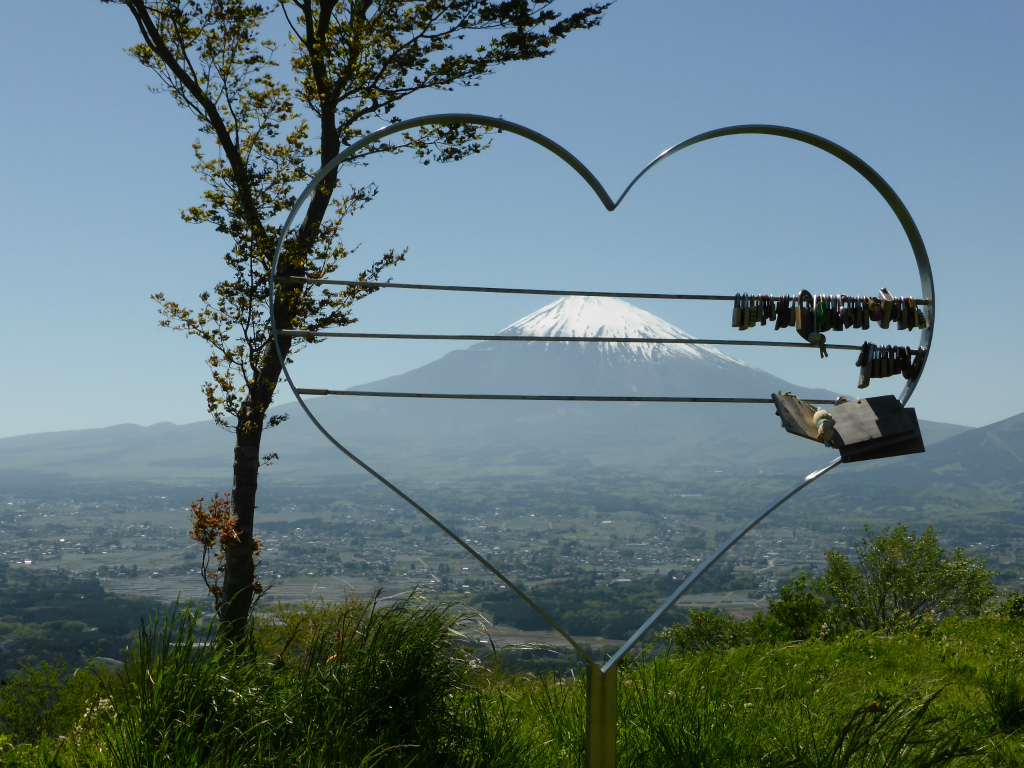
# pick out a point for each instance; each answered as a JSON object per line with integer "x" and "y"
{"x": 395, "y": 435}
{"x": 427, "y": 438}
{"x": 603, "y": 317}
{"x": 590, "y": 368}
{"x": 990, "y": 455}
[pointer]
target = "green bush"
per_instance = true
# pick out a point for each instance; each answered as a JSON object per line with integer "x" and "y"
{"x": 706, "y": 631}
{"x": 45, "y": 700}
{"x": 901, "y": 582}
{"x": 799, "y": 613}
{"x": 1012, "y": 606}
{"x": 28, "y": 698}
{"x": 901, "y": 579}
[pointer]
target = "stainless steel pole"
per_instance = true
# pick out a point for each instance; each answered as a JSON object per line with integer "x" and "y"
{"x": 602, "y": 714}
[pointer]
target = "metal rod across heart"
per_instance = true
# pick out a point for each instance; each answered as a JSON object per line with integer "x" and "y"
{"x": 601, "y": 696}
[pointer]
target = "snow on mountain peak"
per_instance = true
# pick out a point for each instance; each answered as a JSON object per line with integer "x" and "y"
{"x": 608, "y": 317}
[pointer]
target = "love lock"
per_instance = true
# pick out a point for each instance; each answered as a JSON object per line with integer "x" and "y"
{"x": 602, "y": 683}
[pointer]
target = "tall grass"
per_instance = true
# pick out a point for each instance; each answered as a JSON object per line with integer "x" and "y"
{"x": 1004, "y": 695}
{"x": 350, "y": 685}
{"x": 364, "y": 685}
{"x": 759, "y": 708}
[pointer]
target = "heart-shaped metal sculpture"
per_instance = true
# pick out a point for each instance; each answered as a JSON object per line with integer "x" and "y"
{"x": 602, "y": 684}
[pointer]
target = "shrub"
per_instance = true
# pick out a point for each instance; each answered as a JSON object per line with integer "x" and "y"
{"x": 899, "y": 579}
{"x": 27, "y": 698}
{"x": 343, "y": 685}
{"x": 798, "y": 612}
{"x": 44, "y": 700}
{"x": 1012, "y": 606}
{"x": 706, "y": 631}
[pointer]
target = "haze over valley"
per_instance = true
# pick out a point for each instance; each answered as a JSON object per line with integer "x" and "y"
{"x": 611, "y": 503}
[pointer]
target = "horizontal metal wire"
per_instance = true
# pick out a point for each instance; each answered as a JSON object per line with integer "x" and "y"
{"x": 608, "y": 339}
{"x": 580, "y": 398}
{"x": 528, "y": 291}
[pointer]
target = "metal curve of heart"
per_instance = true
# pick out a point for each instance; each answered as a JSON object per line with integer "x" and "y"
{"x": 868, "y": 173}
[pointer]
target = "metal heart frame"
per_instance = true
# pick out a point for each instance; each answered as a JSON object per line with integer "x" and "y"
{"x": 602, "y": 684}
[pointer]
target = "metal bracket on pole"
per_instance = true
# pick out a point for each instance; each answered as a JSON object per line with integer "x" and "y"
{"x": 602, "y": 714}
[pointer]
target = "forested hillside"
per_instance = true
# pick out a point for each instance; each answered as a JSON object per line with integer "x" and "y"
{"x": 49, "y": 616}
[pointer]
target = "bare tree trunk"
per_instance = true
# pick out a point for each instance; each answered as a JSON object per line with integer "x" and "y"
{"x": 239, "y": 562}
{"x": 239, "y": 567}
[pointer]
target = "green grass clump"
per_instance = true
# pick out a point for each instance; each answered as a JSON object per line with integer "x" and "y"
{"x": 363, "y": 685}
{"x": 788, "y": 706}
{"x": 1004, "y": 695}
{"x": 349, "y": 685}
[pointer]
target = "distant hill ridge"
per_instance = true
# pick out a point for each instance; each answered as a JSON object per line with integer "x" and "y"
{"x": 421, "y": 438}
{"x": 993, "y": 454}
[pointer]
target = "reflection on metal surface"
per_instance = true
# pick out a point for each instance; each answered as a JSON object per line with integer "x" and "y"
{"x": 555, "y": 398}
{"x": 566, "y": 339}
{"x": 527, "y": 291}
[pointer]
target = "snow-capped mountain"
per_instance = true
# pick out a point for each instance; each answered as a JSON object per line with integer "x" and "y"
{"x": 403, "y": 433}
{"x": 588, "y": 368}
{"x": 428, "y": 438}
{"x": 603, "y": 317}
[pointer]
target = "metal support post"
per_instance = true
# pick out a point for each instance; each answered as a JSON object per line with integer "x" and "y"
{"x": 602, "y": 713}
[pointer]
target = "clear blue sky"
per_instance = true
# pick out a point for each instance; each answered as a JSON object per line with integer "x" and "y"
{"x": 93, "y": 169}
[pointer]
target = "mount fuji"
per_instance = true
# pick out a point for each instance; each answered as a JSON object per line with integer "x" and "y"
{"x": 603, "y": 317}
{"x": 486, "y": 436}
{"x": 589, "y": 368}
{"x": 429, "y": 438}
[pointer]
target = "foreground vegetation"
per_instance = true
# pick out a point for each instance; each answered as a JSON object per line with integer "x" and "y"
{"x": 899, "y": 658}
{"x": 359, "y": 685}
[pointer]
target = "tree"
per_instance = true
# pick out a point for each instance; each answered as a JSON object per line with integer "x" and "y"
{"x": 351, "y": 61}
{"x": 798, "y": 611}
{"x": 901, "y": 576}
{"x": 705, "y": 631}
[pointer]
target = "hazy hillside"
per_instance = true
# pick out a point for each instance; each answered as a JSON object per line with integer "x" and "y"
{"x": 988, "y": 455}
{"x": 418, "y": 438}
